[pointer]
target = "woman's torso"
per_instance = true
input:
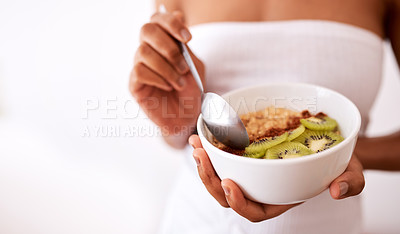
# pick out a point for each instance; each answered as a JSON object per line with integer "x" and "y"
{"x": 338, "y": 56}
{"x": 368, "y": 14}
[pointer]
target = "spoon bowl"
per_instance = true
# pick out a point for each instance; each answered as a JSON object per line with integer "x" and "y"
{"x": 223, "y": 122}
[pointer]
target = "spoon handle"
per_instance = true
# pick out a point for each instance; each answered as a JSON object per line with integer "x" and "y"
{"x": 191, "y": 65}
{"x": 187, "y": 57}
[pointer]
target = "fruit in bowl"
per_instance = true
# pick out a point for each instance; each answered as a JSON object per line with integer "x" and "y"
{"x": 271, "y": 129}
{"x": 295, "y": 178}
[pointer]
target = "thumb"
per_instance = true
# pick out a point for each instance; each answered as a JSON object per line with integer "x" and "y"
{"x": 350, "y": 183}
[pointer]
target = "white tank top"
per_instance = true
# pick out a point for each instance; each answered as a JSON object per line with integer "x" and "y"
{"x": 341, "y": 57}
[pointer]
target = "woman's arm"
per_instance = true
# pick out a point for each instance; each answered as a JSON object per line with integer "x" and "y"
{"x": 383, "y": 153}
{"x": 392, "y": 25}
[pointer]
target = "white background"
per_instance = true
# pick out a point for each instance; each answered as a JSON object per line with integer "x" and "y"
{"x": 59, "y": 57}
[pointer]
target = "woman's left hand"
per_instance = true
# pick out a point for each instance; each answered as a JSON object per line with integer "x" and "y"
{"x": 228, "y": 194}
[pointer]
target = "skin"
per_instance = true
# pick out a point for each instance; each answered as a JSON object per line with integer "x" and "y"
{"x": 164, "y": 88}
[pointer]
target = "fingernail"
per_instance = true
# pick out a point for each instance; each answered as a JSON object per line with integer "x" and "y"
{"x": 197, "y": 160}
{"x": 227, "y": 190}
{"x": 185, "y": 34}
{"x": 181, "y": 82}
{"x": 183, "y": 66}
{"x": 344, "y": 188}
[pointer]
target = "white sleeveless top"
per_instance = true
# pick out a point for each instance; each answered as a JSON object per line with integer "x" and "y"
{"x": 338, "y": 56}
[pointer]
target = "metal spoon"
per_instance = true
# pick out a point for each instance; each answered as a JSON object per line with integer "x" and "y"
{"x": 220, "y": 118}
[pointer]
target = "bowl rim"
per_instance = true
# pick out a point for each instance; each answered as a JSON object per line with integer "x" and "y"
{"x": 315, "y": 156}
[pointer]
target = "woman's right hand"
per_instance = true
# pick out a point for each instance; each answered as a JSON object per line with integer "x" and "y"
{"x": 160, "y": 79}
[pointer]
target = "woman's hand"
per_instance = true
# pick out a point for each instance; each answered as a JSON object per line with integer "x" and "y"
{"x": 228, "y": 194}
{"x": 160, "y": 79}
{"x": 350, "y": 183}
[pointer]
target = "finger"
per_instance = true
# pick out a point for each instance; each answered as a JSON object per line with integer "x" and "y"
{"x": 153, "y": 60}
{"x": 209, "y": 177}
{"x": 194, "y": 141}
{"x": 139, "y": 91}
{"x": 142, "y": 75}
{"x": 164, "y": 44}
{"x": 253, "y": 211}
{"x": 350, "y": 183}
{"x": 173, "y": 24}
{"x": 179, "y": 15}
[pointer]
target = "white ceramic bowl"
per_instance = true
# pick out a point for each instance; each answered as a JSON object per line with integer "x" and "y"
{"x": 293, "y": 180}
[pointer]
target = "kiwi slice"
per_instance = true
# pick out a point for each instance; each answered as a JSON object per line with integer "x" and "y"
{"x": 288, "y": 150}
{"x": 319, "y": 124}
{"x": 261, "y": 146}
{"x": 254, "y": 155}
{"x": 295, "y": 132}
{"x": 319, "y": 141}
